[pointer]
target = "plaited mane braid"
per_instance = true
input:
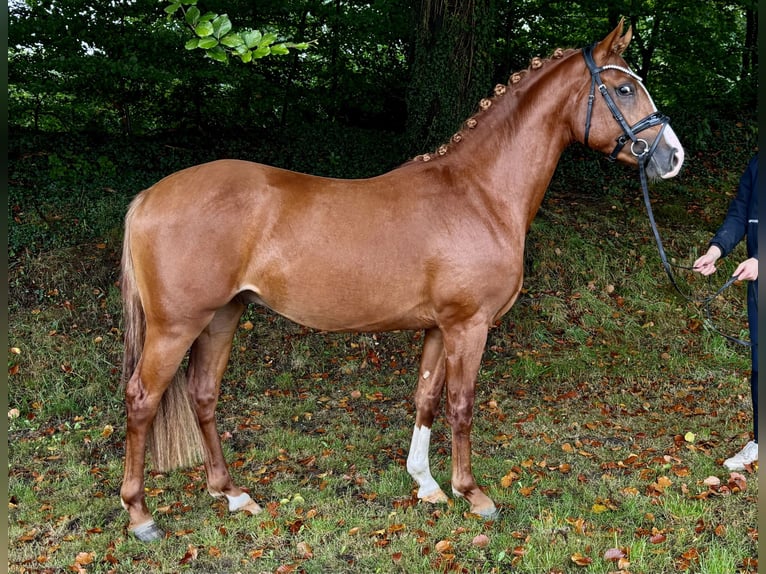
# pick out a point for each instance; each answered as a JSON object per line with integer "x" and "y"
{"x": 486, "y": 103}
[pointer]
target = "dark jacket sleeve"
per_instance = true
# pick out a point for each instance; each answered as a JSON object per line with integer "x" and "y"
{"x": 741, "y": 214}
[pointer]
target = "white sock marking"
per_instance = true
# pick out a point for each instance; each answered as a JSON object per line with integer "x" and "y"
{"x": 237, "y": 502}
{"x": 417, "y": 461}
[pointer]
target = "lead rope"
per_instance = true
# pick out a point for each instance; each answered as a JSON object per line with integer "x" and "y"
{"x": 705, "y": 301}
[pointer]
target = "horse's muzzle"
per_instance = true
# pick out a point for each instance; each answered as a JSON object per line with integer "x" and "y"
{"x": 668, "y": 157}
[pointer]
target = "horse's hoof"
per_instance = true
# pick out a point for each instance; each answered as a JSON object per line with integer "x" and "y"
{"x": 490, "y": 513}
{"x": 251, "y": 508}
{"x": 243, "y": 503}
{"x": 148, "y": 532}
{"x": 436, "y": 497}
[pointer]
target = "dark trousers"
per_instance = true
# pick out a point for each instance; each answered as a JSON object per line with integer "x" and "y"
{"x": 752, "y": 319}
{"x": 754, "y": 394}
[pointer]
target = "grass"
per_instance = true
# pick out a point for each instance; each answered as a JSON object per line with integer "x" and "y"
{"x": 587, "y": 392}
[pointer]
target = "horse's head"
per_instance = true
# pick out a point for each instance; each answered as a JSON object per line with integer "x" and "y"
{"x": 620, "y": 116}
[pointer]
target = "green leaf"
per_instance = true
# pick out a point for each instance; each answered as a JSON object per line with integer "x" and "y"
{"x": 217, "y": 53}
{"x": 232, "y": 40}
{"x": 252, "y": 38}
{"x": 246, "y": 56}
{"x": 204, "y": 29}
{"x": 172, "y": 8}
{"x": 221, "y": 25}
{"x": 190, "y": 2}
{"x": 208, "y": 16}
{"x": 192, "y": 44}
{"x": 279, "y": 50}
{"x": 268, "y": 39}
{"x": 261, "y": 52}
{"x": 208, "y": 42}
{"x": 192, "y": 16}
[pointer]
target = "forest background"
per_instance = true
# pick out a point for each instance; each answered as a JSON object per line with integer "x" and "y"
{"x": 382, "y": 82}
{"x": 598, "y": 362}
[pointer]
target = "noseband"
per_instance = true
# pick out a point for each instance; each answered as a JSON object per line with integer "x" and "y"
{"x": 638, "y": 147}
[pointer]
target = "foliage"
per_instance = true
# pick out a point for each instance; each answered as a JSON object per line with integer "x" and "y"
{"x": 214, "y": 35}
{"x": 381, "y": 65}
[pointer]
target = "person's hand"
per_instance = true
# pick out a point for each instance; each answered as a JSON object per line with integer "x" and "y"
{"x": 747, "y": 270}
{"x": 706, "y": 264}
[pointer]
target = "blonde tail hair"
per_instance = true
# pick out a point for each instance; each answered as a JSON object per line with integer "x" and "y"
{"x": 175, "y": 439}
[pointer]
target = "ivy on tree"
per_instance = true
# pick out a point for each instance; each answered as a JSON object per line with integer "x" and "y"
{"x": 213, "y": 34}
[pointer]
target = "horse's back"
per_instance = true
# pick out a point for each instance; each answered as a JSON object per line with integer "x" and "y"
{"x": 390, "y": 252}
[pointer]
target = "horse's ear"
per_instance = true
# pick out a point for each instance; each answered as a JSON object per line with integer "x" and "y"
{"x": 614, "y": 43}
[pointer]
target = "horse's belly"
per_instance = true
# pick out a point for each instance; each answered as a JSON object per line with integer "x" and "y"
{"x": 338, "y": 308}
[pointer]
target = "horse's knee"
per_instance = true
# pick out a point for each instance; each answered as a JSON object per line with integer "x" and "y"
{"x": 205, "y": 403}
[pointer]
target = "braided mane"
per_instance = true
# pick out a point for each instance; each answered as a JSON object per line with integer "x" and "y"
{"x": 485, "y": 104}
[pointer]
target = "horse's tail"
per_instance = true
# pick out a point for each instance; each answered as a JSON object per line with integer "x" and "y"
{"x": 174, "y": 439}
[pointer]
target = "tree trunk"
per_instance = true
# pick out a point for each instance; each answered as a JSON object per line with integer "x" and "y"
{"x": 451, "y": 68}
{"x": 750, "y": 52}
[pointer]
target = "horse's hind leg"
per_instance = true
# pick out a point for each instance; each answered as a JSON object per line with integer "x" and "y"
{"x": 207, "y": 363}
{"x": 427, "y": 398}
{"x": 162, "y": 353}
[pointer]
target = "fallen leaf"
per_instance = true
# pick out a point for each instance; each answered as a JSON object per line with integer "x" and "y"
{"x": 712, "y": 481}
{"x": 508, "y": 479}
{"x": 526, "y": 490}
{"x": 191, "y": 554}
{"x": 579, "y": 524}
{"x": 305, "y": 550}
{"x": 580, "y": 559}
{"x": 443, "y": 546}
{"x": 614, "y": 554}
{"x": 85, "y": 557}
{"x": 737, "y": 480}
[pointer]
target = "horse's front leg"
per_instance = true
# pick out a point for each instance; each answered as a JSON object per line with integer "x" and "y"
{"x": 427, "y": 398}
{"x": 464, "y": 347}
{"x": 207, "y": 364}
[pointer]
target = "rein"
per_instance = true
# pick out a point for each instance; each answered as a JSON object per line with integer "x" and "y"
{"x": 643, "y": 153}
{"x": 704, "y": 301}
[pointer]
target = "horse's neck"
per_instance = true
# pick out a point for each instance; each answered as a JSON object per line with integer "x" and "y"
{"x": 517, "y": 146}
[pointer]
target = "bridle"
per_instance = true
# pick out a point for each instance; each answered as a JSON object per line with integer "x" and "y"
{"x": 638, "y": 147}
{"x": 643, "y": 152}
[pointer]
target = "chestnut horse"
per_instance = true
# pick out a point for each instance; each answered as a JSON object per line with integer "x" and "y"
{"x": 436, "y": 244}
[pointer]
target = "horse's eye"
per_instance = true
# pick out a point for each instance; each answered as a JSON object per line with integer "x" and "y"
{"x": 624, "y": 90}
